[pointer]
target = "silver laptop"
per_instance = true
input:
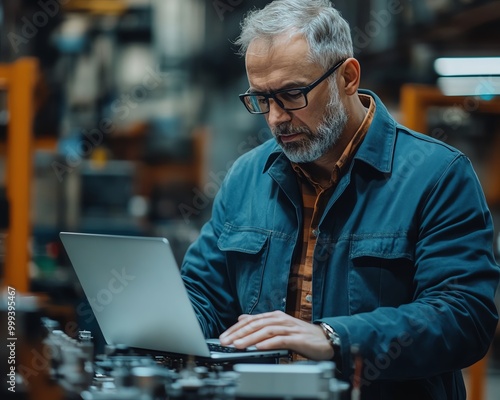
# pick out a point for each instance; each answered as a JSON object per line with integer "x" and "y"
{"x": 135, "y": 289}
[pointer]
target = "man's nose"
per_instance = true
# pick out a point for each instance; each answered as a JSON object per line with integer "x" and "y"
{"x": 277, "y": 115}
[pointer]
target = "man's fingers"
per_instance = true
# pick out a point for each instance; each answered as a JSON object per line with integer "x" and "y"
{"x": 265, "y": 336}
{"x": 249, "y": 324}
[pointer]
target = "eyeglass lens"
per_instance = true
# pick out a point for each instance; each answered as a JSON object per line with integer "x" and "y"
{"x": 289, "y": 100}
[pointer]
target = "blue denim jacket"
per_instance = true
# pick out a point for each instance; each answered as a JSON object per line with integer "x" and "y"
{"x": 403, "y": 265}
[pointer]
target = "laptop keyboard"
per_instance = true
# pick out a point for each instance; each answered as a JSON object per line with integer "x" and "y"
{"x": 224, "y": 349}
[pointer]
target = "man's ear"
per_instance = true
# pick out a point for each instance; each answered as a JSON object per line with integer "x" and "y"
{"x": 351, "y": 76}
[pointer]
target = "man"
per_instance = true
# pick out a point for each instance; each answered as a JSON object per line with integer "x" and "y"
{"x": 348, "y": 231}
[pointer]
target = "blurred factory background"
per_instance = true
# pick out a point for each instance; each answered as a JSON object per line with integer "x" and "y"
{"x": 122, "y": 116}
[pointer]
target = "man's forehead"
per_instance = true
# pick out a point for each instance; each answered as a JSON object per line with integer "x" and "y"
{"x": 279, "y": 64}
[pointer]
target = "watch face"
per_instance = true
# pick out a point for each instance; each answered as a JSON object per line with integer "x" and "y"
{"x": 331, "y": 334}
{"x": 335, "y": 339}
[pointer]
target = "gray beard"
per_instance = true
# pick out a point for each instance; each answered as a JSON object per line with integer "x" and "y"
{"x": 316, "y": 144}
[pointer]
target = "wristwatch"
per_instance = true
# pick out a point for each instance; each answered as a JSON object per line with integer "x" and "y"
{"x": 334, "y": 340}
{"x": 332, "y": 336}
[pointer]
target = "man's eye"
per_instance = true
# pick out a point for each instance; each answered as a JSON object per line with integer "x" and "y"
{"x": 291, "y": 95}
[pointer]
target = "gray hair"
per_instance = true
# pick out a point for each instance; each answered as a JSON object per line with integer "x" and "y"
{"x": 326, "y": 32}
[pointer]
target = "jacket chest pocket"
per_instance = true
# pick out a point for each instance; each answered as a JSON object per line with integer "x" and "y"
{"x": 381, "y": 271}
{"x": 246, "y": 252}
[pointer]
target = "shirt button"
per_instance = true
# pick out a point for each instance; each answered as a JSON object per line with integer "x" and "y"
{"x": 309, "y": 298}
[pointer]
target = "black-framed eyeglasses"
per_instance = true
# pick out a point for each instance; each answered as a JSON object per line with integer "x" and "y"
{"x": 287, "y": 99}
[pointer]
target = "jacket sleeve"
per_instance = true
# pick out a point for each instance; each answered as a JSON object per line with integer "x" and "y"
{"x": 451, "y": 321}
{"x": 204, "y": 273}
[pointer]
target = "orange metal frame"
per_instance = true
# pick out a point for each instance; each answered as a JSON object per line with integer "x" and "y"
{"x": 19, "y": 80}
{"x": 415, "y": 101}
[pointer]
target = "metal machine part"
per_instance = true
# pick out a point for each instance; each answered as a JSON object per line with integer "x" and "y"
{"x": 292, "y": 381}
{"x": 123, "y": 373}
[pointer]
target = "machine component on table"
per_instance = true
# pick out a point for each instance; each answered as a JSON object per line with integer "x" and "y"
{"x": 123, "y": 373}
{"x": 71, "y": 363}
{"x": 292, "y": 381}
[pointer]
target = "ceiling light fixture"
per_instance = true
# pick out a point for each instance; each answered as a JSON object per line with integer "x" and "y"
{"x": 467, "y": 66}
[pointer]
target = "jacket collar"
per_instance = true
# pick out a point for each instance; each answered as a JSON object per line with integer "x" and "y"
{"x": 376, "y": 150}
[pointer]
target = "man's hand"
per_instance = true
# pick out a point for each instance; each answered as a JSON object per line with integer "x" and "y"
{"x": 277, "y": 330}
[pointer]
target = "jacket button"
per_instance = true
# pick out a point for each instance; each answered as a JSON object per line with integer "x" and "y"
{"x": 315, "y": 233}
{"x": 309, "y": 298}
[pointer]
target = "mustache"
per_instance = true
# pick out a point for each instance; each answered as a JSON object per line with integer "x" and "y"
{"x": 288, "y": 129}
